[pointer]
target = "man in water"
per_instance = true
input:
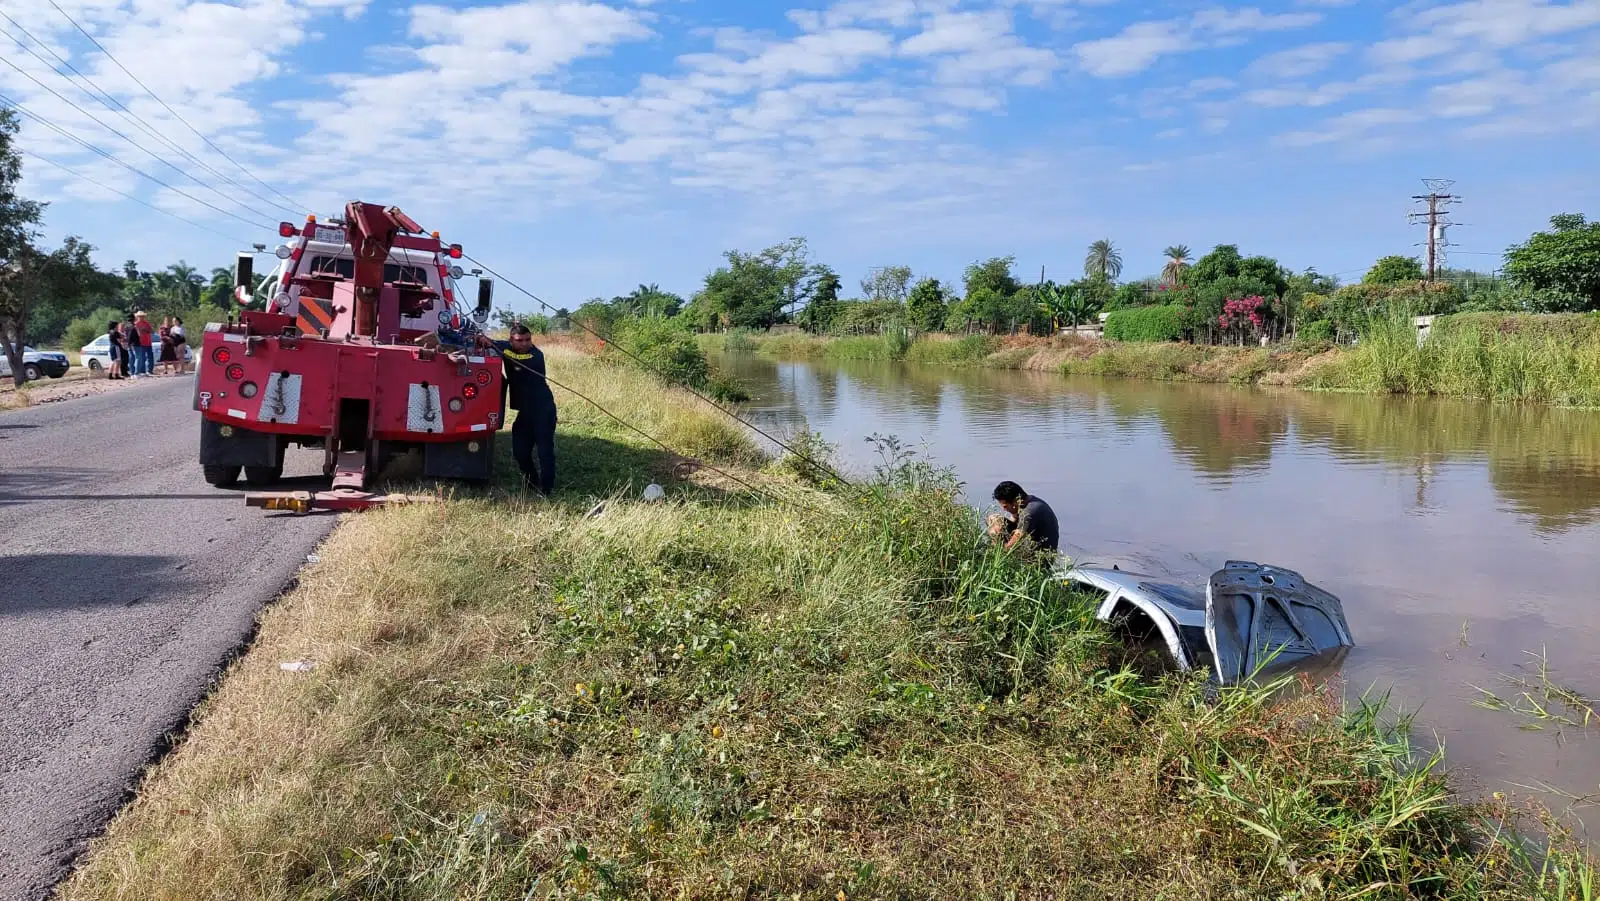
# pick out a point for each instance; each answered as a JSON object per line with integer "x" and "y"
{"x": 534, "y": 429}
{"x": 1031, "y": 519}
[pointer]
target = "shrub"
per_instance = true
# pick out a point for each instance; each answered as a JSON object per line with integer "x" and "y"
{"x": 84, "y": 329}
{"x": 1319, "y": 330}
{"x": 1156, "y": 323}
{"x": 738, "y": 341}
{"x": 667, "y": 348}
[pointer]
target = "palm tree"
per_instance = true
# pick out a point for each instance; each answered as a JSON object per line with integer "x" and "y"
{"x": 1177, "y": 261}
{"x": 186, "y": 283}
{"x": 1103, "y": 261}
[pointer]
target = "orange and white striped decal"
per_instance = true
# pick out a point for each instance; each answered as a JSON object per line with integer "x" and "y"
{"x": 314, "y": 316}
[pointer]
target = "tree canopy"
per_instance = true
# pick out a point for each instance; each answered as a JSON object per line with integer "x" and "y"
{"x": 1562, "y": 263}
{"x": 1393, "y": 270}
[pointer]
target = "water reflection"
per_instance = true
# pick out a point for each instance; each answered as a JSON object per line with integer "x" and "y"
{"x": 1459, "y": 535}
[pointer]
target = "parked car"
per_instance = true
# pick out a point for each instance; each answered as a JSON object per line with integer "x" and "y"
{"x": 1248, "y": 619}
{"x": 36, "y": 364}
{"x": 97, "y": 354}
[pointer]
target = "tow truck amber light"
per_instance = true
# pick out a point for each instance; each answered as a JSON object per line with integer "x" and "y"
{"x": 469, "y": 391}
{"x": 455, "y": 251}
{"x": 221, "y": 356}
{"x": 287, "y": 230}
{"x": 235, "y": 372}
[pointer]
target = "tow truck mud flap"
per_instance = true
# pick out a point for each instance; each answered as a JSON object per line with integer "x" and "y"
{"x": 227, "y": 445}
{"x": 469, "y": 460}
{"x": 1260, "y": 616}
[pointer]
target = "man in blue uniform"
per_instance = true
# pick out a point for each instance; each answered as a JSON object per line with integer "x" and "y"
{"x": 534, "y": 429}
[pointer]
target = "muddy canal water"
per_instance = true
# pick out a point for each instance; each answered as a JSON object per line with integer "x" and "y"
{"x": 1460, "y": 536}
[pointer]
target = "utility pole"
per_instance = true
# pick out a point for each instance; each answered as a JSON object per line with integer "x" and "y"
{"x": 1436, "y": 216}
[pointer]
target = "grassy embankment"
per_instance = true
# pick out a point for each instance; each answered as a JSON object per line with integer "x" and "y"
{"x": 1540, "y": 359}
{"x": 840, "y": 697}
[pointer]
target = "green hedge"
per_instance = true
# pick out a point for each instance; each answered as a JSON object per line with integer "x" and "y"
{"x": 1157, "y": 323}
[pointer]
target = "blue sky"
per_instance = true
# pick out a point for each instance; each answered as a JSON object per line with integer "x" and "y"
{"x": 584, "y": 146}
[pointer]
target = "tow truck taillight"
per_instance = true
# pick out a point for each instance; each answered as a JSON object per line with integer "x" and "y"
{"x": 455, "y": 251}
{"x": 221, "y": 356}
{"x": 469, "y": 391}
{"x": 235, "y": 372}
{"x": 483, "y": 376}
{"x": 287, "y": 230}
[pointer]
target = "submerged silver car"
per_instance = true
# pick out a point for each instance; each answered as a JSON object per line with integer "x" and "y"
{"x": 1249, "y": 617}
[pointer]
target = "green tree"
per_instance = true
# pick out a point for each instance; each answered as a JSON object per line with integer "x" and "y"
{"x": 887, "y": 283}
{"x": 1130, "y": 294}
{"x": 823, "y": 310}
{"x": 648, "y": 300}
{"x": 1177, "y": 264}
{"x": 186, "y": 284}
{"x": 1393, "y": 270}
{"x": 1562, "y": 265}
{"x": 757, "y": 290}
{"x": 1103, "y": 261}
{"x": 927, "y": 305}
{"x": 219, "y": 291}
{"x": 19, "y": 259}
{"x": 990, "y": 285}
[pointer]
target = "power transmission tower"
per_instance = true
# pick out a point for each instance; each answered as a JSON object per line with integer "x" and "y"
{"x": 1437, "y": 218}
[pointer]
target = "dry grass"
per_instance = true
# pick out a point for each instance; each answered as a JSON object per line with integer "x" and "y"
{"x": 716, "y": 698}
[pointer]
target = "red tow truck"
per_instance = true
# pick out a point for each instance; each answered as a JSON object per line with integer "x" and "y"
{"x": 362, "y": 350}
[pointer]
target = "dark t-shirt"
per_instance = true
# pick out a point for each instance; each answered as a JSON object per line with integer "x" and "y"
{"x": 524, "y": 380}
{"x": 1038, "y": 522}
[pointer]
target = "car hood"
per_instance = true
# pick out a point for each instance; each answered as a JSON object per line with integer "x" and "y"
{"x": 1256, "y": 619}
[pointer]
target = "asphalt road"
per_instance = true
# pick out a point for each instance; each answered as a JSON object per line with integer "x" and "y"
{"x": 125, "y": 583}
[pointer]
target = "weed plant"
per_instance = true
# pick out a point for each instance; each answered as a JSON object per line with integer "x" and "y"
{"x": 850, "y": 695}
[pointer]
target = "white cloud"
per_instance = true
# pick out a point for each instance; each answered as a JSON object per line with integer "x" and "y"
{"x": 1347, "y": 127}
{"x": 1139, "y": 45}
{"x": 1298, "y": 62}
{"x": 1132, "y": 50}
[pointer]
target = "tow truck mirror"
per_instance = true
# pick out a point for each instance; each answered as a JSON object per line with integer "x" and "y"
{"x": 244, "y": 266}
{"x": 485, "y": 300}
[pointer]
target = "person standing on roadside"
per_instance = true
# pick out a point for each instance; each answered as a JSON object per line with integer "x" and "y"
{"x": 180, "y": 343}
{"x": 144, "y": 351}
{"x": 130, "y": 340}
{"x": 534, "y": 430}
{"x": 1033, "y": 521}
{"x": 119, "y": 351}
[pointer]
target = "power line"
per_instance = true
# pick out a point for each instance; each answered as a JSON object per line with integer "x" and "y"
{"x": 110, "y": 102}
{"x": 131, "y": 197}
{"x": 820, "y": 467}
{"x": 219, "y": 150}
{"x": 7, "y": 101}
{"x": 152, "y": 154}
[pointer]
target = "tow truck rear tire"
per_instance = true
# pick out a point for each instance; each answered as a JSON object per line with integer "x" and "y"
{"x": 221, "y": 476}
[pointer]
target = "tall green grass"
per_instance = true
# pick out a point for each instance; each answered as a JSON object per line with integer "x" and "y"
{"x": 1550, "y": 360}
{"x": 849, "y": 695}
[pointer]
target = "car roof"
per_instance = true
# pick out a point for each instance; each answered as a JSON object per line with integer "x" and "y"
{"x": 1182, "y": 602}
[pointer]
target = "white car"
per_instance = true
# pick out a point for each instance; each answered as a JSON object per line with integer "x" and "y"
{"x": 37, "y": 364}
{"x": 97, "y": 354}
